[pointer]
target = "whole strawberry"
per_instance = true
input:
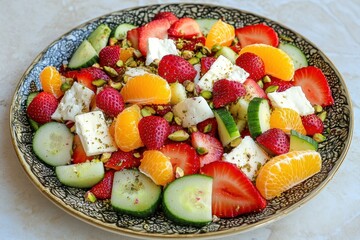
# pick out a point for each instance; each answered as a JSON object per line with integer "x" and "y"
{"x": 226, "y": 91}
{"x": 281, "y": 85}
{"x": 275, "y": 141}
{"x": 109, "y": 55}
{"x": 252, "y": 64}
{"x": 102, "y": 190}
{"x": 42, "y": 107}
{"x": 174, "y": 68}
{"x": 312, "y": 124}
{"x": 154, "y": 131}
{"x": 110, "y": 101}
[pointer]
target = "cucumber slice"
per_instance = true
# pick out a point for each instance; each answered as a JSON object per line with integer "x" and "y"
{"x": 121, "y": 30}
{"x": 52, "y": 143}
{"x": 206, "y": 24}
{"x": 34, "y": 125}
{"x": 295, "y": 54}
{"x": 84, "y": 56}
{"x": 81, "y": 175}
{"x": 228, "y": 53}
{"x": 227, "y": 128}
{"x": 187, "y": 200}
{"x": 300, "y": 142}
{"x": 258, "y": 116}
{"x": 134, "y": 193}
{"x": 99, "y": 37}
{"x": 178, "y": 93}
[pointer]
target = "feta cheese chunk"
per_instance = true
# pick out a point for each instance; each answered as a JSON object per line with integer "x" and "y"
{"x": 75, "y": 101}
{"x": 158, "y": 48}
{"x": 248, "y": 156}
{"x": 293, "y": 98}
{"x": 134, "y": 72}
{"x": 191, "y": 111}
{"x": 94, "y": 133}
{"x": 222, "y": 68}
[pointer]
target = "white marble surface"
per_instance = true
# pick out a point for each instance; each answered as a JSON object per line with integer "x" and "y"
{"x": 27, "y": 27}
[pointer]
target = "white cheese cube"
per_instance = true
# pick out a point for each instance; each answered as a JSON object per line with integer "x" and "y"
{"x": 134, "y": 72}
{"x": 75, "y": 101}
{"x": 293, "y": 98}
{"x": 191, "y": 111}
{"x": 94, "y": 133}
{"x": 248, "y": 156}
{"x": 158, "y": 48}
{"x": 222, "y": 68}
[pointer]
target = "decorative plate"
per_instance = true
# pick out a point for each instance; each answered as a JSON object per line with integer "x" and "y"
{"x": 100, "y": 213}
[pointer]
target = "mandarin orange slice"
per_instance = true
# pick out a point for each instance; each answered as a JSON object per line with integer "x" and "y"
{"x": 51, "y": 82}
{"x": 286, "y": 119}
{"x": 277, "y": 62}
{"x": 157, "y": 166}
{"x": 220, "y": 33}
{"x": 287, "y": 170}
{"x": 126, "y": 134}
{"x": 146, "y": 89}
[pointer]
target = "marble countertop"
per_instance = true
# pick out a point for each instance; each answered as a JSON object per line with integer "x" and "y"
{"x": 27, "y": 27}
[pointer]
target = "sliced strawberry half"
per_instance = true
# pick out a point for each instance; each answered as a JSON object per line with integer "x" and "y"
{"x": 133, "y": 37}
{"x": 156, "y": 29}
{"x": 182, "y": 156}
{"x": 209, "y": 148}
{"x": 102, "y": 190}
{"x": 185, "y": 28}
{"x": 86, "y": 79}
{"x": 314, "y": 85}
{"x": 232, "y": 193}
{"x": 120, "y": 160}
{"x": 257, "y": 33}
{"x": 79, "y": 154}
{"x": 206, "y": 63}
{"x": 166, "y": 15}
{"x": 253, "y": 89}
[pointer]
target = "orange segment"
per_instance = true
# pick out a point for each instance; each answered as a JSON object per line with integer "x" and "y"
{"x": 220, "y": 33}
{"x": 286, "y": 119}
{"x": 51, "y": 82}
{"x": 146, "y": 89}
{"x": 277, "y": 62}
{"x": 126, "y": 133}
{"x": 285, "y": 171}
{"x": 126, "y": 53}
{"x": 157, "y": 166}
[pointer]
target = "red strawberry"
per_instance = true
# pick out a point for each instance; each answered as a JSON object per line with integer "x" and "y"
{"x": 236, "y": 47}
{"x": 185, "y": 28}
{"x": 109, "y": 55}
{"x": 206, "y": 63}
{"x": 156, "y": 28}
{"x": 86, "y": 79}
{"x": 208, "y": 126}
{"x": 110, "y": 101}
{"x": 274, "y": 141}
{"x": 166, "y": 15}
{"x": 253, "y": 89}
{"x": 133, "y": 37}
{"x": 154, "y": 131}
{"x": 79, "y": 154}
{"x": 257, "y": 33}
{"x": 190, "y": 44}
{"x": 96, "y": 73}
{"x": 120, "y": 160}
{"x": 211, "y": 145}
{"x": 102, "y": 190}
{"x": 314, "y": 84}
{"x": 226, "y": 91}
{"x": 175, "y": 68}
{"x": 312, "y": 124}
{"x": 42, "y": 107}
{"x": 182, "y": 156}
{"x": 252, "y": 64}
{"x": 232, "y": 192}
{"x": 283, "y": 85}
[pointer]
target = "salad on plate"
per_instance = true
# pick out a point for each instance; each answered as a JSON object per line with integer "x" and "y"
{"x": 192, "y": 117}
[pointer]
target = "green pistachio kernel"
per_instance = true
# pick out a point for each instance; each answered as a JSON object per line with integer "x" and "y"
{"x": 112, "y": 72}
{"x": 201, "y": 150}
{"x": 206, "y": 94}
{"x": 99, "y": 82}
{"x": 169, "y": 116}
{"x": 322, "y": 115}
{"x": 318, "y": 137}
{"x": 266, "y": 79}
{"x": 194, "y": 60}
{"x": 271, "y": 89}
{"x": 179, "y": 136}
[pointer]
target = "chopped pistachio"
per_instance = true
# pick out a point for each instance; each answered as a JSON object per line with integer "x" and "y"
{"x": 199, "y": 55}
{"x": 112, "y": 41}
{"x": 318, "y": 108}
{"x": 120, "y": 63}
{"x": 260, "y": 83}
{"x": 177, "y": 120}
{"x": 187, "y": 54}
{"x": 65, "y": 86}
{"x": 322, "y": 115}
{"x": 105, "y": 157}
{"x": 147, "y": 111}
{"x": 99, "y": 82}
{"x": 201, "y": 150}
{"x": 266, "y": 79}
{"x": 205, "y": 50}
{"x": 137, "y": 154}
{"x": 208, "y": 128}
{"x": 179, "y": 136}
{"x": 90, "y": 197}
{"x": 116, "y": 85}
{"x": 190, "y": 86}
{"x": 271, "y": 89}
{"x": 216, "y": 48}
{"x": 137, "y": 53}
{"x": 206, "y": 94}
{"x": 180, "y": 45}
{"x": 126, "y": 78}
{"x": 235, "y": 142}
{"x": 318, "y": 137}
{"x": 193, "y": 129}
{"x": 169, "y": 116}
{"x": 211, "y": 105}
{"x": 194, "y": 60}
{"x": 112, "y": 72}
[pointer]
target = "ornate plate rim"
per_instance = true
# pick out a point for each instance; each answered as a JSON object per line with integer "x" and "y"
{"x": 128, "y": 232}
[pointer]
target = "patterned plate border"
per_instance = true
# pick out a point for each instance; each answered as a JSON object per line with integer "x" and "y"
{"x": 100, "y": 213}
